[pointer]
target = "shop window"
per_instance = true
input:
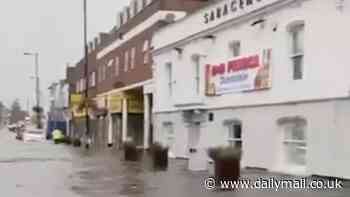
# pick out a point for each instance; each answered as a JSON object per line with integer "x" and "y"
{"x": 295, "y": 142}
{"x": 296, "y": 35}
{"x": 235, "y": 134}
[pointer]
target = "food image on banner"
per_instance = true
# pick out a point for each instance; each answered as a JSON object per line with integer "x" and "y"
{"x": 248, "y": 73}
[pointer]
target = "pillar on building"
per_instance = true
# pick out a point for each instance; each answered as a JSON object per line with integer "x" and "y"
{"x": 124, "y": 120}
{"x": 68, "y": 133}
{"x": 110, "y": 130}
{"x": 147, "y": 121}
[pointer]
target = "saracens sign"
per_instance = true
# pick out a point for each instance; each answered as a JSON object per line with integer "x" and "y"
{"x": 249, "y": 73}
{"x": 230, "y": 7}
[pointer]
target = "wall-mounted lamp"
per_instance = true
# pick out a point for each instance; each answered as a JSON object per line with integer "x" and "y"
{"x": 260, "y": 22}
{"x": 212, "y": 37}
{"x": 178, "y": 50}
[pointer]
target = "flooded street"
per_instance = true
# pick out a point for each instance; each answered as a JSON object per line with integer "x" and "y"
{"x": 47, "y": 170}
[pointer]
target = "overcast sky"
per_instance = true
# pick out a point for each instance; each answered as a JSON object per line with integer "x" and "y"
{"x": 54, "y": 29}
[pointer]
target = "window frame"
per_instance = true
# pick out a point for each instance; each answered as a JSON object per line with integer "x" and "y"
{"x": 197, "y": 76}
{"x": 93, "y": 79}
{"x": 289, "y": 142}
{"x": 145, "y": 51}
{"x": 296, "y": 32}
{"x": 126, "y": 61}
{"x": 236, "y": 48}
{"x": 133, "y": 58}
{"x": 169, "y": 70}
{"x": 232, "y": 141}
{"x": 117, "y": 66}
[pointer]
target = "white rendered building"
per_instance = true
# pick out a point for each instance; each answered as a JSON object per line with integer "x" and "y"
{"x": 271, "y": 76}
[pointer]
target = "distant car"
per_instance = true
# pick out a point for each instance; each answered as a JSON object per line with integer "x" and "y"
{"x": 34, "y": 134}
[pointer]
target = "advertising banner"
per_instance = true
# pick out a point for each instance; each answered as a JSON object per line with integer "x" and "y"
{"x": 116, "y": 103}
{"x": 75, "y": 101}
{"x": 135, "y": 103}
{"x": 249, "y": 73}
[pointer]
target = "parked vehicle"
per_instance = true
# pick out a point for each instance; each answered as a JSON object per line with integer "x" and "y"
{"x": 34, "y": 134}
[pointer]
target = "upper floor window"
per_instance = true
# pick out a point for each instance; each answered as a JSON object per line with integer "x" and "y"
{"x": 121, "y": 16}
{"x": 296, "y": 34}
{"x": 77, "y": 86}
{"x": 126, "y": 61}
{"x": 145, "y": 51}
{"x": 235, "y": 47}
{"x": 169, "y": 71}
{"x": 133, "y": 56}
{"x": 136, "y": 4}
{"x": 82, "y": 84}
{"x": 93, "y": 79}
{"x": 110, "y": 63}
{"x": 104, "y": 72}
{"x": 147, "y": 2}
{"x": 196, "y": 60}
{"x": 116, "y": 68}
{"x": 140, "y": 5}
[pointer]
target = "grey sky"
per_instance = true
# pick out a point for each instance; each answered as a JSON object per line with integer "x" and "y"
{"x": 54, "y": 29}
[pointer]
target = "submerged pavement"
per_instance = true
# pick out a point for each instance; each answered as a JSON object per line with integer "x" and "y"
{"x": 47, "y": 170}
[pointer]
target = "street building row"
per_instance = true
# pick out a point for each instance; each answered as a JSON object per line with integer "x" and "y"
{"x": 267, "y": 76}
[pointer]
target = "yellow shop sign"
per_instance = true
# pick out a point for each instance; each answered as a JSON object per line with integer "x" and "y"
{"x": 115, "y": 103}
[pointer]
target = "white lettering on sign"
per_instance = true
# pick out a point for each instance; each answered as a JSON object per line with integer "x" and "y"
{"x": 231, "y": 7}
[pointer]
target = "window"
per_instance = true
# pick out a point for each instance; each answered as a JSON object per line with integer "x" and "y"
{"x": 93, "y": 79}
{"x": 77, "y": 86}
{"x": 235, "y": 135}
{"x": 297, "y": 49}
{"x": 104, "y": 72}
{"x": 295, "y": 142}
{"x": 145, "y": 51}
{"x": 82, "y": 84}
{"x": 133, "y": 54}
{"x": 148, "y": 2}
{"x": 236, "y": 48}
{"x": 121, "y": 16}
{"x": 126, "y": 61}
{"x": 110, "y": 63}
{"x": 170, "y": 134}
{"x": 135, "y": 7}
{"x": 116, "y": 64}
{"x": 170, "y": 77}
{"x": 100, "y": 74}
{"x": 197, "y": 75}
